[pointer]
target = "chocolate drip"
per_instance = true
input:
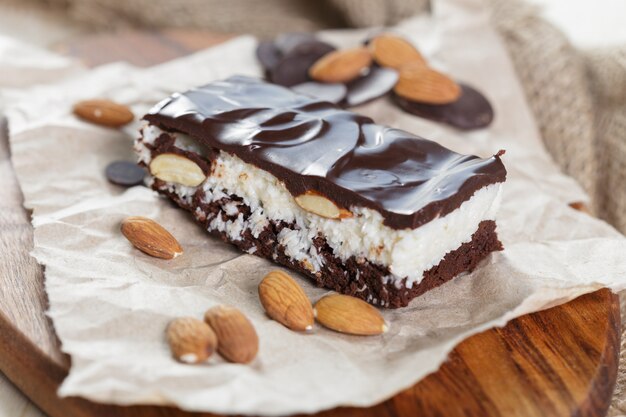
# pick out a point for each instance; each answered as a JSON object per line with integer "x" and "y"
{"x": 315, "y": 145}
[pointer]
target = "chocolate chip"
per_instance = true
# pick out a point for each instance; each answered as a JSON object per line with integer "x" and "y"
{"x": 327, "y": 92}
{"x": 285, "y": 42}
{"x": 293, "y": 68}
{"x": 125, "y": 173}
{"x": 378, "y": 82}
{"x": 268, "y": 54}
{"x": 471, "y": 111}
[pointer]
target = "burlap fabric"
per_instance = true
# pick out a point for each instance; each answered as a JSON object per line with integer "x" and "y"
{"x": 607, "y": 74}
{"x": 263, "y": 18}
{"x": 579, "y": 101}
{"x": 578, "y": 97}
{"x": 555, "y": 83}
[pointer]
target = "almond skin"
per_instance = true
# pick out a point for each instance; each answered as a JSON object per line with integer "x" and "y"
{"x": 580, "y": 206}
{"x": 239, "y": 342}
{"x": 150, "y": 237}
{"x": 425, "y": 85}
{"x": 285, "y": 301}
{"x": 395, "y": 52}
{"x": 191, "y": 340}
{"x": 341, "y": 66}
{"x": 350, "y": 315}
{"x": 104, "y": 112}
{"x": 316, "y": 203}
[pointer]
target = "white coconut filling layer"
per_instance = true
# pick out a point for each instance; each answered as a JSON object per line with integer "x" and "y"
{"x": 408, "y": 253}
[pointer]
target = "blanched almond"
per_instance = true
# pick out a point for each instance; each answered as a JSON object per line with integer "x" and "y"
{"x": 350, "y": 315}
{"x": 104, "y": 112}
{"x": 150, "y": 237}
{"x": 238, "y": 341}
{"x": 341, "y": 66}
{"x": 285, "y": 301}
{"x": 425, "y": 85}
{"x": 393, "y": 51}
{"x": 171, "y": 167}
{"x": 191, "y": 340}
{"x": 318, "y": 204}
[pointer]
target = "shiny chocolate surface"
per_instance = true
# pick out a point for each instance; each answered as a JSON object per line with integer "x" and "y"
{"x": 471, "y": 111}
{"x": 315, "y": 145}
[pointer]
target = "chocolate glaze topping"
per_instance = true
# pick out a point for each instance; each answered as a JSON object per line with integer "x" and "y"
{"x": 315, "y": 145}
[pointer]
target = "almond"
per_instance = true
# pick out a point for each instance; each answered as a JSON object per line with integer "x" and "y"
{"x": 341, "y": 66}
{"x": 425, "y": 85}
{"x": 150, "y": 237}
{"x": 191, "y": 340}
{"x": 350, "y": 315}
{"x": 104, "y": 112}
{"x": 239, "y": 342}
{"x": 580, "y": 206}
{"x": 171, "y": 167}
{"x": 393, "y": 51}
{"x": 316, "y": 203}
{"x": 285, "y": 301}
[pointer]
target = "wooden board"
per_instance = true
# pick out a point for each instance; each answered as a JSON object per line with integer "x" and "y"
{"x": 559, "y": 362}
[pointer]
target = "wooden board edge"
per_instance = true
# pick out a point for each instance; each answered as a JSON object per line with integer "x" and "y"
{"x": 603, "y": 385}
{"x": 20, "y": 357}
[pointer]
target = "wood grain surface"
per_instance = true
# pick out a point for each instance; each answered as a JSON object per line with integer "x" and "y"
{"x": 558, "y": 362}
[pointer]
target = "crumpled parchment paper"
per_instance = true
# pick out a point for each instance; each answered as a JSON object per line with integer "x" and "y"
{"x": 110, "y": 303}
{"x": 23, "y": 65}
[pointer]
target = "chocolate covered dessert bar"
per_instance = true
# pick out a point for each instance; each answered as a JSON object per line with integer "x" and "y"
{"x": 361, "y": 208}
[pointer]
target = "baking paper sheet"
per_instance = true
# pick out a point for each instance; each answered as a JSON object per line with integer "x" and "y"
{"x": 23, "y": 65}
{"x": 110, "y": 303}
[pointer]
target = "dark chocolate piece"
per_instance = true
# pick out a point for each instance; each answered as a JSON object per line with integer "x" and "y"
{"x": 293, "y": 68}
{"x": 285, "y": 42}
{"x": 315, "y": 145}
{"x": 325, "y": 92}
{"x": 268, "y": 55}
{"x": 125, "y": 173}
{"x": 471, "y": 111}
{"x": 378, "y": 82}
{"x": 356, "y": 277}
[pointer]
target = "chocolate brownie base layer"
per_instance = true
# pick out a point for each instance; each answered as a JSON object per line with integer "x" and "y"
{"x": 355, "y": 276}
